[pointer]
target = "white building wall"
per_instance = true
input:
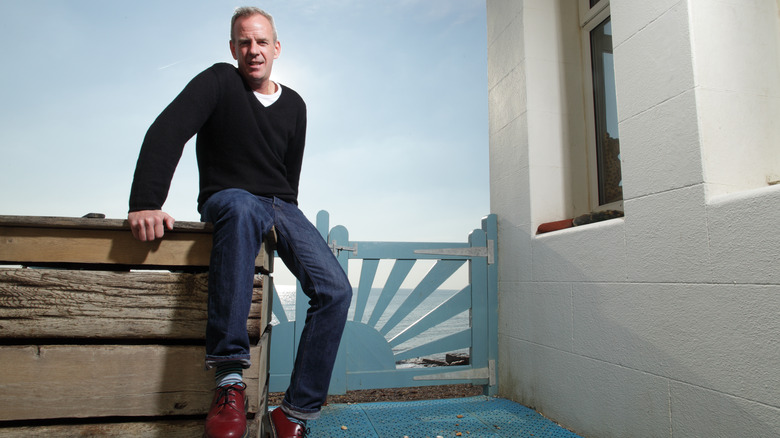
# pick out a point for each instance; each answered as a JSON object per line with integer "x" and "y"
{"x": 667, "y": 322}
{"x": 737, "y": 77}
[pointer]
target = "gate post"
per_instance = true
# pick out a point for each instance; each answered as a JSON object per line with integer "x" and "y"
{"x": 490, "y": 227}
{"x": 480, "y": 314}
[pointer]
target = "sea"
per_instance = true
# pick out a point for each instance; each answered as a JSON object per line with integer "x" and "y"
{"x": 453, "y": 325}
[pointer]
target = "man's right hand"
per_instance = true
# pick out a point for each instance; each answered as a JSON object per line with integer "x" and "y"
{"x": 148, "y": 225}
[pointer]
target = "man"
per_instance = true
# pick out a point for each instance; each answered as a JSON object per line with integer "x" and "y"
{"x": 250, "y": 140}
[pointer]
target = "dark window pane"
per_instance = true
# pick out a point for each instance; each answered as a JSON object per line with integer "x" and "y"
{"x": 593, "y": 3}
{"x": 605, "y": 107}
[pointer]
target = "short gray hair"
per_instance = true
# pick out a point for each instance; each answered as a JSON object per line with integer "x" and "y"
{"x": 248, "y": 11}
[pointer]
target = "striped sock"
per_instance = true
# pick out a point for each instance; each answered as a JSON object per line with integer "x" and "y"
{"x": 296, "y": 420}
{"x": 229, "y": 374}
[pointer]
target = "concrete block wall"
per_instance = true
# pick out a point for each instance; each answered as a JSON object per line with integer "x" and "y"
{"x": 666, "y": 322}
{"x": 737, "y": 78}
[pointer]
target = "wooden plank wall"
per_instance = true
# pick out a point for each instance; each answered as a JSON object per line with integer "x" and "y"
{"x": 36, "y": 240}
{"x": 89, "y": 352}
{"x": 162, "y": 429}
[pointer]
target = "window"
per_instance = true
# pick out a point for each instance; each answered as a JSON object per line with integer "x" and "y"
{"x": 601, "y": 106}
{"x": 605, "y": 113}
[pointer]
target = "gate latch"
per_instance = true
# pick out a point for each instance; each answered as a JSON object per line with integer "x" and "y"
{"x": 337, "y": 249}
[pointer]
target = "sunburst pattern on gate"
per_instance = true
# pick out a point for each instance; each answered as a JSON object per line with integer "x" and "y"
{"x": 412, "y": 304}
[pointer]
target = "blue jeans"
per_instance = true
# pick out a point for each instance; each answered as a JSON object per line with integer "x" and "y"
{"x": 241, "y": 220}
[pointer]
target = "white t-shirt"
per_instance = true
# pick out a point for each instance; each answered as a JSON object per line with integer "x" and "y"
{"x": 268, "y": 99}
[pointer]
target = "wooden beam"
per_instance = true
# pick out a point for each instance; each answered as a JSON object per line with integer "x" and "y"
{"x": 29, "y": 240}
{"x": 169, "y": 428}
{"x": 78, "y": 381}
{"x": 107, "y": 343}
{"x": 57, "y": 303}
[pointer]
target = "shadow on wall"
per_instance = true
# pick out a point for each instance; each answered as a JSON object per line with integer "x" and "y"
{"x": 621, "y": 359}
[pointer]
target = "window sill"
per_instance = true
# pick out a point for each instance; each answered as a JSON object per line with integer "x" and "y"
{"x": 585, "y": 219}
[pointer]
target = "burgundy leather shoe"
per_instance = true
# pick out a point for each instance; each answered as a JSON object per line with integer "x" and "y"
{"x": 281, "y": 427}
{"x": 227, "y": 415}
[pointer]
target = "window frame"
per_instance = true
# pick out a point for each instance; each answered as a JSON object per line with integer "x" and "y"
{"x": 588, "y": 14}
{"x": 590, "y": 18}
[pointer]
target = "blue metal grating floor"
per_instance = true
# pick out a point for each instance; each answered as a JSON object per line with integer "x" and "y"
{"x": 479, "y": 417}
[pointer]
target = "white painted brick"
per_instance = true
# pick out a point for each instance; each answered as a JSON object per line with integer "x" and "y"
{"x": 508, "y": 100}
{"x": 740, "y": 136}
{"x": 631, "y": 16}
{"x": 510, "y": 375}
{"x": 514, "y": 252}
{"x": 537, "y": 312}
{"x": 591, "y": 397}
{"x": 568, "y": 22}
{"x": 500, "y": 13}
{"x": 646, "y": 325}
{"x": 594, "y": 252}
{"x": 736, "y": 46}
{"x": 722, "y": 337}
{"x": 508, "y": 297}
{"x": 666, "y": 237}
{"x": 744, "y": 238}
{"x": 551, "y": 29}
{"x": 506, "y": 52}
{"x": 512, "y": 203}
{"x": 555, "y": 128}
{"x": 660, "y": 148}
{"x": 655, "y": 65}
{"x": 700, "y": 412}
{"x": 548, "y": 184}
{"x": 509, "y": 149}
{"x": 546, "y": 134}
{"x": 546, "y": 89}
{"x": 626, "y": 324}
{"x": 737, "y": 65}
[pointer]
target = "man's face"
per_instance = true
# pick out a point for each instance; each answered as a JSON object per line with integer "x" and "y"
{"x": 254, "y": 48}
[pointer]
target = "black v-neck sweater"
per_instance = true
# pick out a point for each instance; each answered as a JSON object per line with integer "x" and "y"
{"x": 240, "y": 143}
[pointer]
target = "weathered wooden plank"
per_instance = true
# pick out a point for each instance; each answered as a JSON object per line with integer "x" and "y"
{"x": 29, "y": 240}
{"x": 91, "y": 223}
{"x": 51, "y": 245}
{"x": 55, "y": 303}
{"x": 165, "y": 428}
{"x": 112, "y": 380}
{"x": 75, "y": 381}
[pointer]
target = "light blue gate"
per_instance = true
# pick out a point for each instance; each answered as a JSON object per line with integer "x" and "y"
{"x": 411, "y": 319}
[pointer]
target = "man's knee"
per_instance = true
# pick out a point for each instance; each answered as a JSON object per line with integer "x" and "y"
{"x": 344, "y": 293}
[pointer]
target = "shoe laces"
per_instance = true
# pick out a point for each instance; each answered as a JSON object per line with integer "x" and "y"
{"x": 224, "y": 395}
{"x": 303, "y": 431}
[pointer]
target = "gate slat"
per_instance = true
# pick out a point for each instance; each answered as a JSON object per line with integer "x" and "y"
{"x": 367, "y": 274}
{"x": 440, "y": 272}
{"x": 401, "y": 269}
{"x": 452, "y": 342}
{"x": 455, "y": 305}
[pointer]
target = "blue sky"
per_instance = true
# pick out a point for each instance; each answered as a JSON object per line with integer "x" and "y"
{"x": 397, "y": 145}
